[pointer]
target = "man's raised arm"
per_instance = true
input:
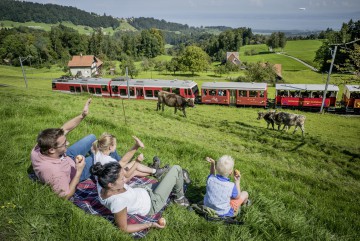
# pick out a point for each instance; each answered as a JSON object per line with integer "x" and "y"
{"x": 71, "y": 124}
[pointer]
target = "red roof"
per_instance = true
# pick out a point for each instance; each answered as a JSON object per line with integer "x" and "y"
{"x": 84, "y": 61}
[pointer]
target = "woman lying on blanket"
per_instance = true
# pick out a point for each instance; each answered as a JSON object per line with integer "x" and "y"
{"x": 122, "y": 199}
{"x": 105, "y": 151}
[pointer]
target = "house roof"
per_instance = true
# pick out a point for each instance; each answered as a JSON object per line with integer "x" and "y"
{"x": 277, "y": 68}
{"x": 84, "y": 61}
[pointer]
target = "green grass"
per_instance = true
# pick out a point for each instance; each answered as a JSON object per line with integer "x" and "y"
{"x": 303, "y": 49}
{"x": 301, "y": 188}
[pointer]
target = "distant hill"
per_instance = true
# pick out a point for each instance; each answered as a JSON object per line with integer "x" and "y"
{"x": 25, "y": 12}
{"x": 22, "y": 12}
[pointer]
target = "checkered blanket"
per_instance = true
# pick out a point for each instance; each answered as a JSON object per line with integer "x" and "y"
{"x": 86, "y": 198}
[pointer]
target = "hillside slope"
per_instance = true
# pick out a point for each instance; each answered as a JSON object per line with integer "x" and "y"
{"x": 301, "y": 188}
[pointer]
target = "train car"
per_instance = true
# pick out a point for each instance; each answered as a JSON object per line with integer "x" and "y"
{"x": 95, "y": 86}
{"x": 121, "y": 88}
{"x": 149, "y": 88}
{"x": 234, "y": 93}
{"x": 305, "y": 96}
{"x": 351, "y": 98}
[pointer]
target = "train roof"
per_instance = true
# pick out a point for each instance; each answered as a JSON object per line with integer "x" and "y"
{"x": 83, "y": 81}
{"x": 155, "y": 83}
{"x": 353, "y": 88}
{"x": 234, "y": 85}
{"x": 308, "y": 87}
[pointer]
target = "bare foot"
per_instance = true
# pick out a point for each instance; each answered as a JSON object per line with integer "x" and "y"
{"x": 138, "y": 142}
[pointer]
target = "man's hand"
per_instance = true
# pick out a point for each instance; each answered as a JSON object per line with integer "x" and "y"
{"x": 80, "y": 163}
{"x": 86, "y": 108}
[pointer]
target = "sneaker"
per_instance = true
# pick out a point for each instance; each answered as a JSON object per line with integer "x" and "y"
{"x": 186, "y": 176}
{"x": 160, "y": 171}
{"x": 182, "y": 201}
{"x": 156, "y": 163}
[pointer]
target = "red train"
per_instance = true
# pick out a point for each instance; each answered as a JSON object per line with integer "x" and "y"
{"x": 304, "y": 96}
{"x": 234, "y": 93}
{"x": 123, "y": 88}
{"x": 351, "y": 98}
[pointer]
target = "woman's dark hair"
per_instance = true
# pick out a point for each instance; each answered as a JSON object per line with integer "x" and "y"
{"x": 107, "y": 173}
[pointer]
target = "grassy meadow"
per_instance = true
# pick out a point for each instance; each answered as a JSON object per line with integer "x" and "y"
{"x": 301, "y": 188}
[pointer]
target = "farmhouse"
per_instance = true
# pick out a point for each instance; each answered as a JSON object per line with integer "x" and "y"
{"x": 85, "y": 66}
{"x": 233, "y": 57}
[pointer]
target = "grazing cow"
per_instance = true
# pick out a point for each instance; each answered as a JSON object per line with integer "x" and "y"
{"x": 173, "y": 100}
{"x": 268, "y": 117}
{"x": 288, "y": 119}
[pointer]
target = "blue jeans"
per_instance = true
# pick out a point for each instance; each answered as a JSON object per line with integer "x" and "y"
{"x": 83, "y": 147}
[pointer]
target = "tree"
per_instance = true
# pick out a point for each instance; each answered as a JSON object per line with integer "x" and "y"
{"x": 128, "y": 63}
{"x": 260, "y": 72}
{"x": 194, "y": 59}
{"x": 276, "y": 40}
{"x": 173, "y": 65}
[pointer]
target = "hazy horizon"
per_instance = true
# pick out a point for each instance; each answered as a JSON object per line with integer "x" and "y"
{"x": 304, "y": 15}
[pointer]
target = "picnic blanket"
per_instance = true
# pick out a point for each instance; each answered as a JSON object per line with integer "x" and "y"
{"x": 86, "y": 198}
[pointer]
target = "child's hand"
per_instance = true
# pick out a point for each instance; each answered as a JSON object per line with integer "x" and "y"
{"x": 208, "y": 159}
{"x": 237, "y": 175}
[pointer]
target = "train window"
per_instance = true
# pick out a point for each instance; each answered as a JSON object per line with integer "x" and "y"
{"x": 212, "y": 92}
{"x": 195, "y": 90}
{"x": 166, "y": 89}
{"x": 139, "y": 92}
{"x": 261, "y": 93}
{"x": 115, "y": 89}
{"x": 242, "y": 93}
{"x": 186, "y": 91}
{"x": 305, "y": 94}
{"x": 176, "y": 91}
{"x": 77, "y": 89}
{"x": 53, "y": 85}
{"x": 156, "y": 92}
{"x": 72, "y": 89}
{"x": 91, "y": 90}
{"x": 132, "y": 92}
{"x": 84, "y": 88}
{"x": 149, "y": 93}
{"x": 224, "y": 92}
{"x": 253, "y": 93}
{"x": 205, "y": 92}
{"x": 97, "y": 90}
{"x": 123, "y": 92}
{"x": 220, "y": 92}
{"x": 104, "y": 88}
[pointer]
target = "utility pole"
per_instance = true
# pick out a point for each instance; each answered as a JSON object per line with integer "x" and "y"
{"x": 127, "y": 82}
{"x": 22, "y": 59}
{"x": 333, "y": 53}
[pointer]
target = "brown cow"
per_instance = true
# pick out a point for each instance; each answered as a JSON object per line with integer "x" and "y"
{"x": 268, "y": 117}
{"x": 288, "y": 119}
{"x": 173, "y": 100}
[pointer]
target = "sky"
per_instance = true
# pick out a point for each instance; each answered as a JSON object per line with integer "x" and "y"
{"x": 254, "y": 14}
